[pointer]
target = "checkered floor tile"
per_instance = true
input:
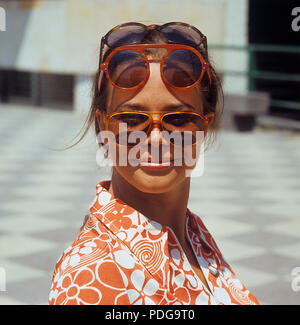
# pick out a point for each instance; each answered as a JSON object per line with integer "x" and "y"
{"x": 248, "y": 197}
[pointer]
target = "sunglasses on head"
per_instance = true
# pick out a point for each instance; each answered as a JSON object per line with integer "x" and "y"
{"x": 127, "y": 66}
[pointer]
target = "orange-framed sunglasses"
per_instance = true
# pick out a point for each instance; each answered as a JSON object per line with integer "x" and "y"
{"x": 168, "y": 121}
{"x": 179, "y": 33}
{"x": 182, "y": 66}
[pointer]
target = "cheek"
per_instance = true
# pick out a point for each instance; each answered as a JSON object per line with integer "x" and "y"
{"x": 190, "y": 159}
{"x": 124, "y": 156}
{"x": 187, "y": 154}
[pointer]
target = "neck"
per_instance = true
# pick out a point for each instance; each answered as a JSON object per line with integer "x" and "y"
{"x": 168, "y": 208}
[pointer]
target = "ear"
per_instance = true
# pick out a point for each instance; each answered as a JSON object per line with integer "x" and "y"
{"x": 210, "y": 118}
{"x": 100, "y": 120}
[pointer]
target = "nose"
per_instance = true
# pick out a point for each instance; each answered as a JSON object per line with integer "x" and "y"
{"x": 155, "y": 137}
{"x": 156, "y": 141}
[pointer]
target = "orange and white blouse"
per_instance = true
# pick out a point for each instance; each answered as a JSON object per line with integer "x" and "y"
{"x": 123, "y": 258}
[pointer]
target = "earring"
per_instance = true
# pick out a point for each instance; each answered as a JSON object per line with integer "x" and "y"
{"x": 102, "y": 156}
{"x": 104, "y": 149}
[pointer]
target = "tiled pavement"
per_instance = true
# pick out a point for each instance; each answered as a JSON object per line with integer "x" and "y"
{"x": 248, "y": 197}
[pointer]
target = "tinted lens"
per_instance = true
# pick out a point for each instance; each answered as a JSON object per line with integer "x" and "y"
{"x": 130, "y": 34}
{"x": 124, "y": 123}
{"x": 184, "y": 122}
{"x": 182, "y": 68}
{"x": 127, "y": 69}
{"x": 182, "y": 34}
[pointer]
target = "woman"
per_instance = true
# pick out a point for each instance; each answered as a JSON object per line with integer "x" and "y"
{"x": 155, "y": 92}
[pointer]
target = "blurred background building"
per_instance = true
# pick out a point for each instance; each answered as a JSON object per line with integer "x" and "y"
{"x": 49, "y": 51}
{"x": 249, "y": 195}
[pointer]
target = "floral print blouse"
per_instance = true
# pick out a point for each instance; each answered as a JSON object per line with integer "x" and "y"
{"x": 123, "y": 258}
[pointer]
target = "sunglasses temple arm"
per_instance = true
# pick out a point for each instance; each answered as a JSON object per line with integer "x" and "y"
{"x": 204, "y": 42}
{"x": 99, "y": 65}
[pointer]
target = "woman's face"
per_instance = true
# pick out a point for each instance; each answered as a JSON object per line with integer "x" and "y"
{"x": 154, "y": 177}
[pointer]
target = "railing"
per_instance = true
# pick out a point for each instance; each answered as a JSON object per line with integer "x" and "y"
{"x": 253, "y": 73}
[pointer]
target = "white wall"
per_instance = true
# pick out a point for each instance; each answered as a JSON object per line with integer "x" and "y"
{"x": 64, "y": 36}
{"x": 236, "y": 33}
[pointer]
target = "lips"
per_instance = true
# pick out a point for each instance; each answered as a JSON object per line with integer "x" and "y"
{"x": 157, "y": 164}
{"x": 154, "y": 166}
{"x": 152, "y": 163}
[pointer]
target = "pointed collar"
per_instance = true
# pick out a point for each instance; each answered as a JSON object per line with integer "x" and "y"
{"x": 119, "y": 217}
{"x": 146, "y": 239}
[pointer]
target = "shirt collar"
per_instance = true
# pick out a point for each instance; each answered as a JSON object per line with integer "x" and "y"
{"x": 146, "y": 239}
{"x": 108, "y": 209}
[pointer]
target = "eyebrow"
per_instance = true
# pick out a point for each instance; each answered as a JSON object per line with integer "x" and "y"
{"x": 139, "y": 107}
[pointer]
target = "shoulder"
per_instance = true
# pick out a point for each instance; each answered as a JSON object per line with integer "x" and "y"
{"x": 94, "y": 238}
{"x": 208, "y": 242}
{"x": 76, "y": 263}
{"x": 232, "y": 290}
{"x": 93, "y": 270}
{"x": 198, "y": 225}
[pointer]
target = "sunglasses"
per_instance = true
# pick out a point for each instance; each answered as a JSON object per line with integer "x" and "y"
{"x": 181, "y": 122}
{"x": 127, "y": 66}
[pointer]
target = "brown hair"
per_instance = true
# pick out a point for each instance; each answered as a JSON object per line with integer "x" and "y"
{"x": 212, "y": 94}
